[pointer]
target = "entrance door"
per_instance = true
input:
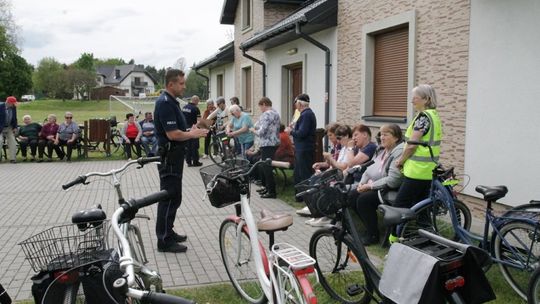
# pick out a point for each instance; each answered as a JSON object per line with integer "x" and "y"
{"x": 293, "y": 89}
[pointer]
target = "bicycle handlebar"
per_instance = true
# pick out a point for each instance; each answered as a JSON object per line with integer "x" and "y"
{"x": 147, "y": 200}
{"x": 163, "y": 298}
{"x": 82, "y": 178}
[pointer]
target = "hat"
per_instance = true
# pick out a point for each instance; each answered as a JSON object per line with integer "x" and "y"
{"x": 11, "y": 100}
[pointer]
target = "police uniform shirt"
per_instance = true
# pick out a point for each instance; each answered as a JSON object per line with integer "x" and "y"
{"x": 191, "y": 113}
{"x": 168, "y": 117}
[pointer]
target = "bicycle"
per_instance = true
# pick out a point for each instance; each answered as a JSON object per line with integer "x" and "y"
{"x": 514, "y": 240}
{"x": 67, "y": 255}
{"x": 347, "y": 273}
{"x": 4, "y": 296}
{"x": 279, "y": 277}
{"x": 221, "y": 150}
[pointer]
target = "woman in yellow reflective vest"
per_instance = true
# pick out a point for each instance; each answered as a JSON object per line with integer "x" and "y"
{"x": 416, "y": 161}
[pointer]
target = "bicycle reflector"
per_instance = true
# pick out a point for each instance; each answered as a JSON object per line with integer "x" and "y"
{"x": 454, "y": 283}
{"x": 66, "y": 277}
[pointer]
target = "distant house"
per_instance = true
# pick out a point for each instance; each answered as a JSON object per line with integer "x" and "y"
{"x": 129, "y": 80}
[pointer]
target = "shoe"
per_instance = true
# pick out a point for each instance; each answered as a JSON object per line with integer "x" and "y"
{"x": 205, "y": 156}
{"x": 303, "y": 212}
{"x": 268, "y": 195}
{"x": 369, "y": 239}
{"x": 49, "y": 160}
{"x": 25, "y": 160}
{"x": 311, "y": 220}
{"x": 197, "y": 164}
{"x": 321, "y": 222}
{"x": 179, "y": 238}
{"x": 33, "y": 159}
{"x": 261, "y": 190}
{"x": 173, "y": 247}
{"x": 40, "y": 160}
{"x": 13, "y": 161}
{"x": 189, "y": 165}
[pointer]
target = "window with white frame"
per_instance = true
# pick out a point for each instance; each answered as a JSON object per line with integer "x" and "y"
{"x": 246, "y": 14}
{"x": 247, "y": 88}
{"x": 388, "y": 72}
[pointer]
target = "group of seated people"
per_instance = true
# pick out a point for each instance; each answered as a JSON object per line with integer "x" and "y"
{"x": 140, "y": 135}
{"x": 351, "y": 147}
{"x": 50, "y": 135}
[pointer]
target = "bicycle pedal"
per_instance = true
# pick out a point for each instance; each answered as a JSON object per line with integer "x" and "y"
{"x": 355, "y": 289}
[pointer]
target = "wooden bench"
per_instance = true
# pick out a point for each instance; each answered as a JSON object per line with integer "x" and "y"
{"x": 281, "y": 166}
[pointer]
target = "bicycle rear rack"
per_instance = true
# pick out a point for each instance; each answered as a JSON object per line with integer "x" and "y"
{"x": 294, "y": 257}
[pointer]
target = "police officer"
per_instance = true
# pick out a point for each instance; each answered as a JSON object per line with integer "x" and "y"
{"x": 192, "y": 114}
{"x": 171, "y": 127}
{"x": 416, "y": 161}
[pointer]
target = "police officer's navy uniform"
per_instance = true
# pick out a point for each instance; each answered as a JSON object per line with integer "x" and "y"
{"x": 169, "y": 117}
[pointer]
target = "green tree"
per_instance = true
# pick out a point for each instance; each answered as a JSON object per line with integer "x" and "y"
{"x": 15, "y": 72}
{"x": 158, "y": 75}
{"x": 195, "y": 85}
{"x": 47, "y": 76}
{"x": 82, "y": 81}
{"x": 85, "y": 62}
{"x": 109, "y": 61}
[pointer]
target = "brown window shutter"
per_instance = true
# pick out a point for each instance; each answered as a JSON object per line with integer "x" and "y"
{"x": 390, "y": 73}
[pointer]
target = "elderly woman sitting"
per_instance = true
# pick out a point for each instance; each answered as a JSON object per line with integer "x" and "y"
{"x": 238, "y": 128}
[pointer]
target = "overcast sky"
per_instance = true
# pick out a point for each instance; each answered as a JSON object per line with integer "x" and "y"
{"x": 152, "y": 32}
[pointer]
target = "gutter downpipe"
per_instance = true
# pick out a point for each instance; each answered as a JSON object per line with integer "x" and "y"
{"x": 263, "y": 68}
{"x": 328, "y": 65}
{"x": 207, "y": 82}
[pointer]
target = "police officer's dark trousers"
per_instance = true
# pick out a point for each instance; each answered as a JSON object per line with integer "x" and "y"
{"x": 192, "y": 151}
{"x": 170, "y": 179}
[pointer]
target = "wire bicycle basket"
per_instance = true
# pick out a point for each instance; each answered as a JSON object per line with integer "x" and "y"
{"x": 65, "y": 246}
{"x": 326, "y": 200}
{"x": 223, "y": 192}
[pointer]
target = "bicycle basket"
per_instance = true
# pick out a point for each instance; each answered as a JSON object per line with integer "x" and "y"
{"x": 224, "y": 192}
{"x": 326, "y": 200}
{"x": 65, "y": 246}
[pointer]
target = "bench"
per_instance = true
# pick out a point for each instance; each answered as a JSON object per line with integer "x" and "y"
{"x": 281, "y": 166}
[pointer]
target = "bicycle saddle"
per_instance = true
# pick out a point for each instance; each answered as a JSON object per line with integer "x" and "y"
{"x": 274, "y": 221}
{"x": 491, "y": 194}
{"x": 394, "y": 215}
{"x": 93, "y": 216}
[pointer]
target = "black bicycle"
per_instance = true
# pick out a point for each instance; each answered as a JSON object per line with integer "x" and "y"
{"x": 221, "y": 148}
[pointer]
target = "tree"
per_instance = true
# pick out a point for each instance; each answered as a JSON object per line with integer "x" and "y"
{"x": 47, "y": 76}
{"x": 132, "y": 61}
{"x": 180, "y": 64}
{"x": 9, "y": 25}
{"x": 81, "y": 80}
{"x": 85, "y": 62}
{"x": 109, "y": 61}
{"x": 158, "y": 75}
{"x": 196, "y": 85}
{"x": 15, "y": 72}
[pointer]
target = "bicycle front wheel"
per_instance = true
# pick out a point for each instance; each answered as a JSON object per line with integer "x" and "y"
{"x": 517, "y": 246}
{"x": 216, "y": 153}
{"x": 339, "y": 271}
{"x": 533, "y": 294}
{"x": 239, "y": 262}
{"x": 436, "y": 217}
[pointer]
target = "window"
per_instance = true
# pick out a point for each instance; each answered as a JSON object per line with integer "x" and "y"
{"x": 388, "y": 69}
{"x": 246, "y": 88}
{"x": 219, "y": 83}
{"x": 390, "y": 73}
{"x": 137, "y": 80}
{"x": 246, "y": 14}
{"x": 116, "y": 74}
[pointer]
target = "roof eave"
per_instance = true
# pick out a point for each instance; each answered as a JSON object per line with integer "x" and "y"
{"x": 228, "y": 12}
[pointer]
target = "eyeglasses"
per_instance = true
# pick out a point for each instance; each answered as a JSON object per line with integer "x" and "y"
{"x": 338, "y": 137}
{"x": 68, "y": 117}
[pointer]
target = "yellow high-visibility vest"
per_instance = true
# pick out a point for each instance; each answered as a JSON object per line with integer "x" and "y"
{"x": 420, "y": 165}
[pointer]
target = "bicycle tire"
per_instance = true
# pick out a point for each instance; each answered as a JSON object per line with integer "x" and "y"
{"x": 216, "y": 153}
{"x": 64, "y": 293}
{"x": 338, "y": 268}
{"x": 289, "y": 288}
{"x": 436, "y": 218}
{"x": 533, "y": 291}
{"x": 137, "y": 246}
{"x": 242, "y": 274}
{"x": 519, "y": 235}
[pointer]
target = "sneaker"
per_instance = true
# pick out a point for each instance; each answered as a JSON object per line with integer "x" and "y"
{"x": 205, "y": 156}
{"x": 311, "y": 220}
{"x": 321, "y": 222}
{"x": 173, "y": 247}
{"x": 268, "y": 195}
{"x": 304, "y": 211}
{"x": 197, "y": 164}
{"x": 261, "y": 190}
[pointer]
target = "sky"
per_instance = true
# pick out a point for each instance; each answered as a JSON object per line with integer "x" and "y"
{"x": 152, "y": 32}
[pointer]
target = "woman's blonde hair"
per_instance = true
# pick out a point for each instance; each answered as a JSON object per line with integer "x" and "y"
{"x": 426, "y": 92}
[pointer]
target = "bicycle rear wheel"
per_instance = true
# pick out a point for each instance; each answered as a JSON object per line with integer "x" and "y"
{"x": 518, "y": 244}
{"x": 339, "y": 271}
{"x": 533, "y": 294}
{"x": 239, "y": 262}
{"x": 436, "y": 217}
{"x": 215, "y": 151}
{"x": 292, "y": 292}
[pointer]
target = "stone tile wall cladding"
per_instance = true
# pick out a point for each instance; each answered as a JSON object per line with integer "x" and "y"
{"x": 442, "y": 44}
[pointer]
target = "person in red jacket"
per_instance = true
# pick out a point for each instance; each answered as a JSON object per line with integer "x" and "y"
{"x": 285, "y": 150}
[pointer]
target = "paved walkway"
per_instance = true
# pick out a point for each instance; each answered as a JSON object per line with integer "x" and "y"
{"x": 31, "y": 200}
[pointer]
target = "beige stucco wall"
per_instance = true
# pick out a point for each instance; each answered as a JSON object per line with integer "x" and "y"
{"x": 442, "y": 42}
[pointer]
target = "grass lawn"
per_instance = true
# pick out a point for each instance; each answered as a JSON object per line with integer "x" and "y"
{"x": 220, "y": 293}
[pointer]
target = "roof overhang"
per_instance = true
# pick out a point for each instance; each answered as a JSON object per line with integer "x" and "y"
{"x": 314, "y": 17}
{"x": 284, "y": 1}
{"x": 224, "y": 56}
{"x": 228, "y": 11}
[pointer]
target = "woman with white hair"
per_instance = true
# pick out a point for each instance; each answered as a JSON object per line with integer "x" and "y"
{"x": 416, "y": 161}
{"x": 238, "y": 128}
{"x": 29, "y": 136}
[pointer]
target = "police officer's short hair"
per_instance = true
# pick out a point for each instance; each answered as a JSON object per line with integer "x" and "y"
{"x": 172, "y": 74}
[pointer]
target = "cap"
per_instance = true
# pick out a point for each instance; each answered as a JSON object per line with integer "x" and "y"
{"x": 11, "y": 100}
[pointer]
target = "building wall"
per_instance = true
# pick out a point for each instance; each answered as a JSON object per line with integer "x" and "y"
{"x": 442, "y": 41}
{"x": 273, "y": 13}
{"x": 227, "y": 70}
{"x": 313, "y": 60}
{"x": 126, "y": 83}
{"x": 502, "y": 146}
